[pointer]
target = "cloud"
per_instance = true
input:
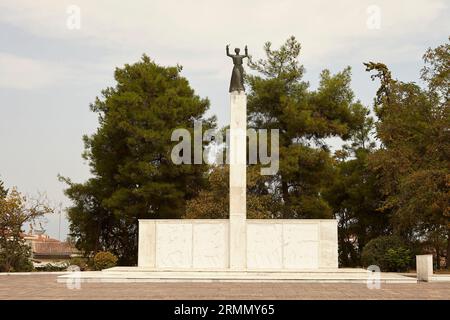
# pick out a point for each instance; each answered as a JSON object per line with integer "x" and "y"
{"x": 24, "y": 73}
{"x": 19, "y": 72}
{"x": 199, "y": 28}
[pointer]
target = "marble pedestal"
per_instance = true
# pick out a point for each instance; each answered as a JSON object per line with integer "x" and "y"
{"x": 203, "y": 244}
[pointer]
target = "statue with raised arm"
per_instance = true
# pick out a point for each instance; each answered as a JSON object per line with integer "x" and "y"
{"x": 237, "y": 76}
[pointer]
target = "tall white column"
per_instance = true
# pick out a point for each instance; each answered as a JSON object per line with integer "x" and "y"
{"x": 238, "y": 180}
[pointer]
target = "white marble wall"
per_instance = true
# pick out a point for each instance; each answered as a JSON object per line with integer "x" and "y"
{"x": 270, "y": 244}
{"x": 183, "y": 244}
{"x": 292, "y": 244}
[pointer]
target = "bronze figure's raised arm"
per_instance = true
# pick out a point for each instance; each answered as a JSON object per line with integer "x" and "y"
{"x": 228, "y": 50}
{"x": 237, "y": 75}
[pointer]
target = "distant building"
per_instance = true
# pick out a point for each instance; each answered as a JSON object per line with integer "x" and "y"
{"x": 47, "y": 250}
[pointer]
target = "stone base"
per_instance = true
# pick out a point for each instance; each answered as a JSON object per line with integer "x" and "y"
{"x": 137, "y": 274}
{"x": 424, "y": 267}
{"x": 270, "y": 244}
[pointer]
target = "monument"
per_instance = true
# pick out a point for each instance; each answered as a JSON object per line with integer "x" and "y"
{"x": 238, "y": 159}
{"x": 237, "y": 243}
{"x": 237, "y": 248}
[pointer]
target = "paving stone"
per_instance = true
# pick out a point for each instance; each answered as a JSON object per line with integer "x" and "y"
{"x": 45, "y": 286}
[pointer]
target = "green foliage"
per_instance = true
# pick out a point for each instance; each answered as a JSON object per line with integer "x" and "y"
{"x": 104, "y": 260}
{"x": 398, "y": 259}
{"x": 355, "y": 198}
{"x": 82, "y": 263}
{"x": 16, "y": 257}
{"x": 353, "y": 193}
{"x": 413, "y": 164}
{"x": 279, "y": 99}
{"x": 15, "y": 211}
{"x": 3, "y": 191}
{"x": 213, "y": 201}
{"x": 15, "y": 254}
{"x": 130, "y": 159}
{"x": 436, "y": 71}
{"x": 387, "y": 252}
{"x": 49, "y": 267}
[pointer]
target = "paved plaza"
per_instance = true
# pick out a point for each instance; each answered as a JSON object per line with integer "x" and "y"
{"x": 45, "y": 286}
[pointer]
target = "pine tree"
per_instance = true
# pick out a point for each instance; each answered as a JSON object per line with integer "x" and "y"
{"x": 3, "y": 191}
{"x": 354, "y": 196}
{"x": 413, "y": 164}
{"x": 129, "y": 156}
{"x": 280, "y": 99}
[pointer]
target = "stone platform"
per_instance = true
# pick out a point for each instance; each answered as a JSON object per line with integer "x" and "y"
{"x": 30, "y": 287}
{"x": 140, "y": 274}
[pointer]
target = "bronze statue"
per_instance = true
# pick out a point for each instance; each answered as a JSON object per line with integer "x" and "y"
{"x": 237, "y": 76}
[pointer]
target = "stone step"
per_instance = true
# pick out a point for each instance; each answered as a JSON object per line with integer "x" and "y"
{"x": 440, "y": 278}
{"x": 320, "y": 270}
{"x": 232, "y": 276}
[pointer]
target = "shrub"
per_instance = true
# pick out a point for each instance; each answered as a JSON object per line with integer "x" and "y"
{"x": 49, "y": 267}
{"x": 82, "y": 263}
{"x": 104, "y": 260}
{"x": 387, "y": 252}
{"x": 16, "y": 257}
{"x": 398, "y": 259}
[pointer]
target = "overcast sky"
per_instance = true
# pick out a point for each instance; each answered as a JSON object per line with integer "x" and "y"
{"x": 50, "y": 73}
